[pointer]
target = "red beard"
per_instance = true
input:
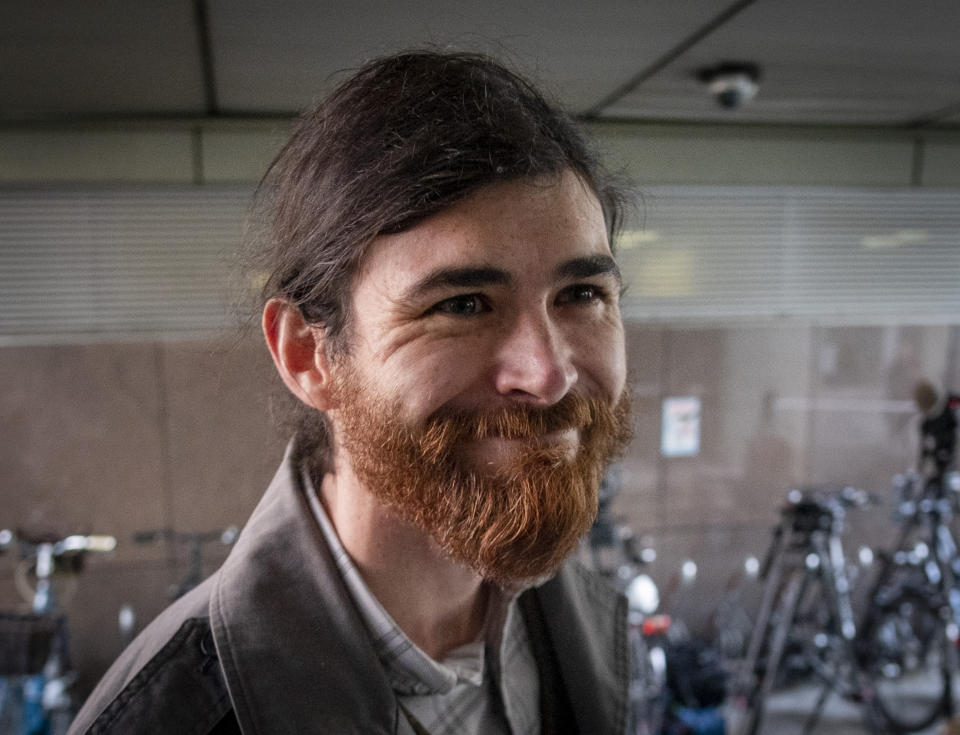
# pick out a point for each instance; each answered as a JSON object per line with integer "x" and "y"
{"x": 512, "y": 524}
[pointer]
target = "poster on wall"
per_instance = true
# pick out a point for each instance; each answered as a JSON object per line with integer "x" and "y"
{"x": 680, "y": 431}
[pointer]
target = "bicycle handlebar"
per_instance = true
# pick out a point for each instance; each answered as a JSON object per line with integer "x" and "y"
{"x": 825, "y": 495}
{"x": 225, "y": 536}
{"x": 95, "y": 543}
{"x": 74, "y": 544}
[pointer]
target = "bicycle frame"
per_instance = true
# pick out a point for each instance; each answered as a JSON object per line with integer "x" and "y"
{"x": 933, "y": 562}
{"x": 806, "y": 552}
{"x": 47, "y": 705}
{"x": 925, "y": 568}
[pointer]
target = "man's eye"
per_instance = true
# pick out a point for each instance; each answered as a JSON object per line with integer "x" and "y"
{"x": 466, "y": 305}
{"x": 582, "y": 293}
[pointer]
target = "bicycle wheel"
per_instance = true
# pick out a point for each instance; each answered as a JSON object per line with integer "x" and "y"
{"x": 906, "y": 657}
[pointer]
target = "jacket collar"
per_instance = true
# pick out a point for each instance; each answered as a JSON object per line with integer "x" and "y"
{"x": 586, "y": 622}
{"x": 295, "y": 656}
{"x": 297, "y": 659}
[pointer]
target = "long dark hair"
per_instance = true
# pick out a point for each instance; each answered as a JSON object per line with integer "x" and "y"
{"x": 403, "y": 138}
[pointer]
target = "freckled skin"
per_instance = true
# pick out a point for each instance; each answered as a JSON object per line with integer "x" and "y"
{"x": 530, "y": 334}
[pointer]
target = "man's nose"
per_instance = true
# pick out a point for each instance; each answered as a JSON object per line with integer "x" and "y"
{"x": 535, "y": 361}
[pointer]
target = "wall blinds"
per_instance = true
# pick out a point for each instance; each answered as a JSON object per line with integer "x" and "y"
{"x": 712, "y": 253}
{"x": 122, "y": 263}
{"x": 105, "y": 264}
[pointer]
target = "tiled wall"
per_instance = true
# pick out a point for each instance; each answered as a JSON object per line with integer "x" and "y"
{"x": 124, "y": 437}
{"x": 781, "y": 405}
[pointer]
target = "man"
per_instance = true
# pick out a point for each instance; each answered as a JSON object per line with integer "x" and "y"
{"x": 443, "y": 302}
{"x": 938, "y": 430}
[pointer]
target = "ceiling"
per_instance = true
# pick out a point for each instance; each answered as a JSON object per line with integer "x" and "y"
{"x": 889, "y": 63}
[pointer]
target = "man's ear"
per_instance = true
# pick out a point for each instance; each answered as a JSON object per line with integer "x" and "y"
{"x": 299, "y": 353}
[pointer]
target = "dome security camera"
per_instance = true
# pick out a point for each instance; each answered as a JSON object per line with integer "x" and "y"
{"x": 731, "y": 84}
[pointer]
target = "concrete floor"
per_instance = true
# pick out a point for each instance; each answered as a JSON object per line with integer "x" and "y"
{"x": 788, "y": 710}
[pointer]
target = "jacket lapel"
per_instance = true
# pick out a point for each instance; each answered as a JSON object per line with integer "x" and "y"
{"x": 297, "y": 659}
{"x": 585, "y": 621}
{"x": 295, "y": 656}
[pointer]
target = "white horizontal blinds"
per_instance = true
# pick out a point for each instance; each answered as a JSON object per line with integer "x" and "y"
{"x": 101, "y": 263}
{"x": 742, "y": 252}
{"x": 148, "y": 263}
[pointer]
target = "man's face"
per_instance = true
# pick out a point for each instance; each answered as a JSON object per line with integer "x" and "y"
{"x": 483, "y": 391}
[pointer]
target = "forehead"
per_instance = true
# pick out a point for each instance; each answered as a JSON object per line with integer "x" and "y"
{"x": 525, "y": 225}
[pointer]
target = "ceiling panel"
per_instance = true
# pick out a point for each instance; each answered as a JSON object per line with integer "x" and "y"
{"x": 271, "y": 57}
{"x": 891, "y": 62}
{"x": 68, "y": 58}
{"x": 886, "y": 62}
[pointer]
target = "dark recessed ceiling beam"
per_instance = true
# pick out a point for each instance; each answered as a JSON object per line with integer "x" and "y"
{"x": 681, "y": 48}
{"x": 201, "y": 16}
{"x": 935, "y": 117}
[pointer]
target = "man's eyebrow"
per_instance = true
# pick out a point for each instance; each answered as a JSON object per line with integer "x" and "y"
{"x": 594, "y": 265}
{"x": 467, "y": 277}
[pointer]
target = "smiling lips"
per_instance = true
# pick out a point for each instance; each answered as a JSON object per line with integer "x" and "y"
{"x": 495, "y": 450}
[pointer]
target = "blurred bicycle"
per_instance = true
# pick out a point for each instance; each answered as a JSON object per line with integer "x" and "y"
{"x": 36, "y": 686}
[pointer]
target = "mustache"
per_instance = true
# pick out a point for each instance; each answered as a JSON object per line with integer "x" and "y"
{"x": 449, "y": 426}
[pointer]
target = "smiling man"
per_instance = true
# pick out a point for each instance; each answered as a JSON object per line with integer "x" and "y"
{"x": 444, "y": 304}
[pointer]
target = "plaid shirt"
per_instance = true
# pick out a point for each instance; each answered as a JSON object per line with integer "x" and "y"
{"x": 487, "y": 687}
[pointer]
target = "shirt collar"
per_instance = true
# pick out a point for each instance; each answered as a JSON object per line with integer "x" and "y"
{"x": 409, "y": 669}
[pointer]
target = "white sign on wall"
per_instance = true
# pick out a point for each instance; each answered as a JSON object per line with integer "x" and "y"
{"x": 680, "y": 433}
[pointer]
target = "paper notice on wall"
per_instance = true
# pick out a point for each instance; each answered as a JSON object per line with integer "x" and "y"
{"x": 680, "y": 432}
